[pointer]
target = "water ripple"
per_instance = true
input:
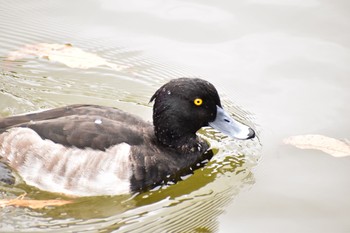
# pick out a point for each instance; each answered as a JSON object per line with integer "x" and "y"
{"x": 33, "y": 83}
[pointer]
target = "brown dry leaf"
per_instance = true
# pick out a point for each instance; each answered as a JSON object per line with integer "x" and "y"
{"x": 34, "y": 204}
{"x": 63, "y": 53}
{"x": 332, "y": 146}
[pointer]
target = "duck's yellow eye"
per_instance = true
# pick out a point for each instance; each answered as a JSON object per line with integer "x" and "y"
{"x": 198, "y": 101}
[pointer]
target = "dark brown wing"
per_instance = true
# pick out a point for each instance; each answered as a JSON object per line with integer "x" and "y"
{"x": 83, "y": 126}
{"x": 77, "y": 109}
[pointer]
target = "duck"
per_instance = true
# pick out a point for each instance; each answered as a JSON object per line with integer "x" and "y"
{"x": 93, "y": 150}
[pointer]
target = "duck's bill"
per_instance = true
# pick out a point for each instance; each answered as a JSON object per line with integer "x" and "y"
{"x": 229, "y": 126}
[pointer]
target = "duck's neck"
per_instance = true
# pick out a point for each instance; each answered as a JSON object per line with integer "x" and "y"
{"x": 182, "y": 141}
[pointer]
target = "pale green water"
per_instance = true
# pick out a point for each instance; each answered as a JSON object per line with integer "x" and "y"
{"x": 285, "y": 63}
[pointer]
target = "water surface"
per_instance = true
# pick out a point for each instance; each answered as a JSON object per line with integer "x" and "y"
{"x": 280, "y": 66}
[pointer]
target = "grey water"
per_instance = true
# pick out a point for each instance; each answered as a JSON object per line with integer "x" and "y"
{"x": 280, "y": 66}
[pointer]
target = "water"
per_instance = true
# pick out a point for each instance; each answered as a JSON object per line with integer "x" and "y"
{"x": 280, "y": 66}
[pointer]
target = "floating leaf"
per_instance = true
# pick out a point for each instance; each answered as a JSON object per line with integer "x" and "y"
{"x": 332, "y": 146}
{"x": 34, "y": 204}
{"x": 63, "y": 53}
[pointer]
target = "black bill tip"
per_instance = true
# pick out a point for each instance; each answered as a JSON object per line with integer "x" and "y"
{"x": 251, "y": 134}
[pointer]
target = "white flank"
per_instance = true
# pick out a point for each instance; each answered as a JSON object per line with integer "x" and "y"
{"x": 55, "y": 168}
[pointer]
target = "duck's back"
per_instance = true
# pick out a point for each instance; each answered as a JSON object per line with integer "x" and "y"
{"x": 93, "y": 126}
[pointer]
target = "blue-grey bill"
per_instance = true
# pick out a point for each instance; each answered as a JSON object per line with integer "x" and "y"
{"x": 230, "y": 127}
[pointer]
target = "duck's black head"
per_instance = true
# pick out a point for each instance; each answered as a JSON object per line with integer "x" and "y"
{"x": 182, "y": 106}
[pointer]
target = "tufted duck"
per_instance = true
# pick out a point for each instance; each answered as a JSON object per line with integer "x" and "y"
{"x": 90, "y": 150}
